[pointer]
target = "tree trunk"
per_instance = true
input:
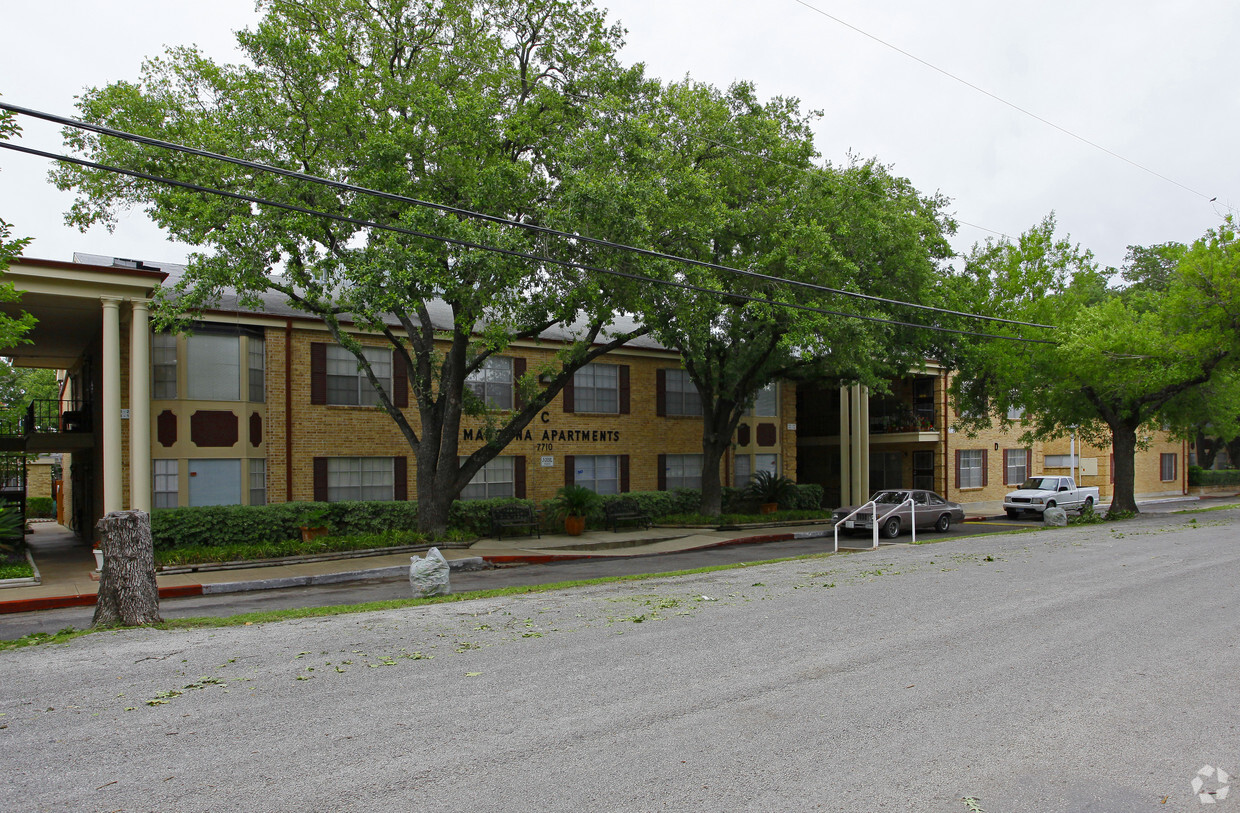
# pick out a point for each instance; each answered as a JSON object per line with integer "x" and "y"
{"x": 435, "y": 494}
{"x": 1124, "y": 444}
{"x": 1207, "y": 450}
{"x": 718, "y": 426}
{"x": 128, "y": 594}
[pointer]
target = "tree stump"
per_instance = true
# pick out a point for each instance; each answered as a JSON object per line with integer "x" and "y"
{"x": 128, "y": 594}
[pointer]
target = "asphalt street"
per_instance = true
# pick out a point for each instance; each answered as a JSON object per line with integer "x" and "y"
{"x": 1080, "y": 669}
{"x": 15, "y": 625}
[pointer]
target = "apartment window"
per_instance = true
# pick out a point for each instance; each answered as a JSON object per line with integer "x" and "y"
{"x": 1060, "y": 461}
{"x": 164, "y": 365}
{"x": 213, "y": 367}
{"x": 971, "y": 465}
{"x": 494, "y": 479}
{"x": 214, "y": 481}
{"x": 257, "y": 355}
{"x": 745, "y": 466}
{"x": 599, "y": 473}
{"x": 349, "y": 386}
{"x": 1167, "y": 466}
{"x": 1015, "y": 466}
{"x": 360, "y": 478}
{"x": 596, "y": 388}
{"x": 766, "y": 404}
{"x": 1016, "y": 414}
{"x": 680, "y": 394}
{"x": 258, "y": 481}
{"x": 493, "y": 382}
{"x": 167, "y": 484}
{"x": 682, "y": 471}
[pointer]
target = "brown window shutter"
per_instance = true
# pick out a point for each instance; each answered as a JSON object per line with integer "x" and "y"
{"x": 518, "y": 477}
{"x": 320, "y": 479}
{"x": 624, "y": 473}
{"x": 400, "y": 478}
{"x": 624, "y": 391}
{"x": 318, "y": 373}
{"x": 1007, "y": 459}
{"x": 662, "y": 470}
{"x": 518, "y": 370}
{"x": 570, "y": 463}
{"x": 957, "y": 468}
{"x": 985, "y": 469}
{"x": 567, "y": 395}
{"x": 660, "y": 393}
{"x": 1028, "y": 463}
{"x": 400, "y": 381}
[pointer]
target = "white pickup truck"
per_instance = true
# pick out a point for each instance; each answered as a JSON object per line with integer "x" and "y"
{"x": 1039, "y": 493}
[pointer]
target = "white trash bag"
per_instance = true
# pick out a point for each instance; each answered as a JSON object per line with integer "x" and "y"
{"x": 429, "y": 576}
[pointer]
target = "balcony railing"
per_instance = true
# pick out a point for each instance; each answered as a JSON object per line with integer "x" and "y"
{"x": 49, "y": 416}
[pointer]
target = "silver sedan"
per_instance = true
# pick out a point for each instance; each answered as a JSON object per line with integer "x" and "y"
{"x": 932, "y": 511}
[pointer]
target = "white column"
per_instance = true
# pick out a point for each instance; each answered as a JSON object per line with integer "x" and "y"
{"x": 112, "y": 471}
{"x": 859, "y": 486}
{"x": 140, "y": 407}
{"x": 846, "y": 497}
{"x": 863, "y": 439}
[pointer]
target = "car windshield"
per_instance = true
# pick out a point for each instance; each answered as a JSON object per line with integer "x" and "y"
{"x": 890, "y": 497}
{"x": 1041, "y": 483}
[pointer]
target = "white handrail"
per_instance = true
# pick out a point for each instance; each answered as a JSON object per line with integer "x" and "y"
{"x": 871, "y": 504}
{"x": 877, "y": 520}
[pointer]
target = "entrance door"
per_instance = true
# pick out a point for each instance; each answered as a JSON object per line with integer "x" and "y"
{"x": 923, "y": 470}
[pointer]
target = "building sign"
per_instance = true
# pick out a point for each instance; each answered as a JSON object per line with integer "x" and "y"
{"x": 547, "y": 436}
{"x": 548, "y": 461}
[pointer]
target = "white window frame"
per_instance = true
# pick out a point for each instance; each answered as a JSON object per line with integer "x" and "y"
{"x": 1060, "y": 461}
{"x": 971, "y": 468}
{"x": 360, "y": 478}
{"x": 495, "y": 479}
{"x": 258, "y": 481}
{"x": 680, "y": 394}
{"x": 588, "y": 468}
{"x": 745, "y": 466}
{"x": 166, "y": 484}
{"x": 347, "y": 385}
{"x": 493, "y": 382}
{"x": 682, "y": 471}
{"x": 766, "y": 402}
{"x": 1163, "y": 474}
{"x": 596, "y": 388}
{"x": 1010, "y": 466}
{"x": 1016, "y": 413}
{"x": 164, "y": 366}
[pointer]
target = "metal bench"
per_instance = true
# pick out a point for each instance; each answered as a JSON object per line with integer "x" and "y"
{"x": 514, "y": 516}
{"x": 624, "y": 509}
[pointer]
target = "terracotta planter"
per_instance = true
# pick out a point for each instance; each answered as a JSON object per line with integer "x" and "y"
{"x": 574, "y": 526}
{"x": 768, "y": 508}
{"x": 308, "y": 534}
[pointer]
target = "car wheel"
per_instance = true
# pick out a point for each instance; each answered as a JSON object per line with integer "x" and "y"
{"x": 1013, "y": 514}
{"x": 943, "y": 524}
{"x": 1089, "y": 504}
{"x": 1050, "y": 504}
{"x": 891, "y": 528}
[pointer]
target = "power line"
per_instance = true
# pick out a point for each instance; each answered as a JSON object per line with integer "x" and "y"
{"x": 1003, "y": 101}
{"x": 347, "y": 187}
{"x": 497, "y": 250}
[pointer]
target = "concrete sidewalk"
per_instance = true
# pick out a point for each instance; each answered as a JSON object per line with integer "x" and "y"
{"x": 67, "y": 576}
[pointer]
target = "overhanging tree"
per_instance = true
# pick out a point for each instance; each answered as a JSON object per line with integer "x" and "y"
{"x": 465, "y": 103}
{"x": 1124, "y": 361}
{"x": 731, "y": 181}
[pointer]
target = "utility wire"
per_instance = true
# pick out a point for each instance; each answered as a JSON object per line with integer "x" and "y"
{"x": 1002, "y": 100}
{"x": 347, "y": 187}
{"x": 497, "y": 250}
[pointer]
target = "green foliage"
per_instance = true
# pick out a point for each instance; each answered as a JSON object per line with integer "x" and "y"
{"x": 40, "y": 507}
{"x": 1086, "y": 516}
{"x": 16, "y": 570}
{"x": 808, "y": 497}
{"x": 474, "y": 516}
{"x": 12, "y": 328}
{"x": 730, "y": 518}
{"x": 1197, "y": 476}
{"x": 207, "y": 526}
{"x": 768, "y": 487}
{"x": 574, "y": 501}
{"x": 661, "y": 503}
{"x": 12, "y": 531}
{"x": 240, "y": 552}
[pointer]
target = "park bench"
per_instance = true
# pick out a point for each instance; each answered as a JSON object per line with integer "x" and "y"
{"x": 624, "y": 509}
{"x": 514, "y": 516}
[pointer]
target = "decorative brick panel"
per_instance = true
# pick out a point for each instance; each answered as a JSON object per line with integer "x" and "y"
{"x": 166, "y": 428}
{"x": 766, "y": 434}
{"x": 256, "y": 430}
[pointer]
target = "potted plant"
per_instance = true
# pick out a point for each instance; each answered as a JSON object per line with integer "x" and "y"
{"x": 769, "y": 490}
{"x": 315, "y": 524}
{"x": 573, "y": 504}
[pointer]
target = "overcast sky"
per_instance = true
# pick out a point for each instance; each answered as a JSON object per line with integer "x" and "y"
{"x": 1147, "y": 81}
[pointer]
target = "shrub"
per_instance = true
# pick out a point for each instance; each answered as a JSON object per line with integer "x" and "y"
{"x": 1197, "y": 476}
{"x": 767, "y": 487}
{"x": 808, "y": 497}
{"x": 475, "y": 515}
{"x": 40, "y": 507}
{"x": 662, "y": 503}
{"x": 210, "y": 525}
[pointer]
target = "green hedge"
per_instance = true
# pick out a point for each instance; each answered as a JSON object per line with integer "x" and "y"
{"x": 1197, "y": 476}
{"x": 205, "y": 526}
{"x": 40, "y": 507}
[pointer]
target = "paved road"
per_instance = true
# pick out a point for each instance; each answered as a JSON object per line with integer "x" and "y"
{"x": 15, "y": 625}
{"x": 1084, "y": 669}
